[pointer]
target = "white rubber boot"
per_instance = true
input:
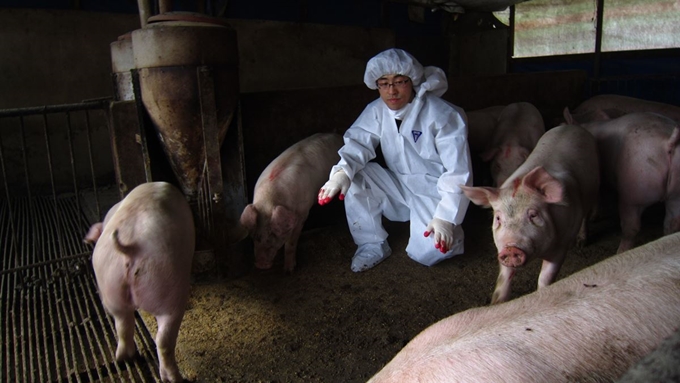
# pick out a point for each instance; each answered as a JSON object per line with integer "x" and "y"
{"x": 370, "y": 254}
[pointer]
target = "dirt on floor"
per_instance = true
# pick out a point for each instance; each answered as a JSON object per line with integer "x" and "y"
{"x": 325, "y": 323}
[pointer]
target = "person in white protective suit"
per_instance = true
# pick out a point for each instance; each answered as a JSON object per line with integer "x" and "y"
{"x": 424, "y": 143}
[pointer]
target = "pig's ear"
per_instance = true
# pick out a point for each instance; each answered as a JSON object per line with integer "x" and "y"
{"x": 548, "y": 186}
{"x": 482, "y": 196}
{"x": 283, "y": 221}
{"x": 249, "y": 217}
{"x": 489, "y": 154}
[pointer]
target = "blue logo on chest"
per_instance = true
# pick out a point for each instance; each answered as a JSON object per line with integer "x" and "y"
{"x": 416, "y": 135}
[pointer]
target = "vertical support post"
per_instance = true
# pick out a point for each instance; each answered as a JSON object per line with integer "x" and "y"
{"x": 511, "y": 41}
{"x": 129, "y": 153}
{"x": 213, "y": 165}
{"x": 142, "y": 127}
{"x": 598, "y": 48}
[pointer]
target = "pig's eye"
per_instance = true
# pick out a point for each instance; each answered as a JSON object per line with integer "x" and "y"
{"x": 534, "y": 217}
{"x": 497, "y": 219}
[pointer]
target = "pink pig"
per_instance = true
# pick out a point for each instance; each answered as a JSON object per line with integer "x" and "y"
{"x": 541, "y": 209}
{"x": 481, "y": 127}
{"x": 608, "y": 106}
{"x": 142, "y": 260}
{"x": 518, "y": 129}
{"x": 589, "y": 327}
{"x": 284, "y": 193}
{"x": 639, "y": 159}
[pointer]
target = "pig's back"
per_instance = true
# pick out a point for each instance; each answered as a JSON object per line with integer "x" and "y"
{"x": 616, "y": 106}
{"x": 590, "y": 326}
{"x": 155, "y": 210}
{"x": 520, "y": 123}
{"x": 156, "y": 228}
{"x": 566, "y": 150}
{"x": 638, "y": 125}
{"x": 635, "y": 148}
{"x": 300, "y": 170}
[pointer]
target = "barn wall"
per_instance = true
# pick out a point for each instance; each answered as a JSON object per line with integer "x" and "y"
{"x": 63, "y": 56}
{"x": 58, "y": 56}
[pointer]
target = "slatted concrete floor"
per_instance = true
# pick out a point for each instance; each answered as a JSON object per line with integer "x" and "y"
{"x": 54, "y": 328}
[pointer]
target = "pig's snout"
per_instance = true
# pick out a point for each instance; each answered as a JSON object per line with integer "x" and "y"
{"x": 512, "y": 256}
{"x": 263, "y": 264}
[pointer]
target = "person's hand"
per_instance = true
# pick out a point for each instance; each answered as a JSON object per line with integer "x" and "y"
{"x": 443, "y": 234}
{"x": 339, "y": 182}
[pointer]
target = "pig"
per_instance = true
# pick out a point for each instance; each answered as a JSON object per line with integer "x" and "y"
{"x": 589, "y": 327}
{"x": 284, "y": 194}
{"x": 481, "y": 126}
{"x": 142, "y": 260}
{"x": 540, "y": 211}
{"x": 518, "y": 127}
{"x": 639, "y": 161}
{"x": 663, "y": 363}
{"x": 609, "y": 106}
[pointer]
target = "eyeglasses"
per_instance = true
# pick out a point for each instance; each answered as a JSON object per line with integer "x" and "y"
{"x": 400, "y": 84}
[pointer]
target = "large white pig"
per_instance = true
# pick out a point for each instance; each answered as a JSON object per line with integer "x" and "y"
{"x": 609, "y": 106}
{"x": 284, "y": 193}
{"x": 481, "y": 127}
{"x": 520, "y": 126}
{"x": 142, "y": 260}
{"x": 589, "y": 327}
{"x": 541, "y": 209}
{"x": 640, "y": 161}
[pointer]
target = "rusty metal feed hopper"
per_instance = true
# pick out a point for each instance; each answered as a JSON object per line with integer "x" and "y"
{"x": 167, "y": 53}
{"x": 122, "y": 61}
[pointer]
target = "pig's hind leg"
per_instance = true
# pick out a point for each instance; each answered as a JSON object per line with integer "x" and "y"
{"x": 638, "y": 190}
{"x": 166, "y": 340}
{"x": 125, "y": 328}
{"x": 290, "y": 250}
{"x": 630, "y": 225}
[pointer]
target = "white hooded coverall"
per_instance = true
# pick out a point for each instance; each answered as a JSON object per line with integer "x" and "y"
{"x": 427, "y": 158}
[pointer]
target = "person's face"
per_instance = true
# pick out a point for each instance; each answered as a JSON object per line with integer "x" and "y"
{"x": 395, "y": 90}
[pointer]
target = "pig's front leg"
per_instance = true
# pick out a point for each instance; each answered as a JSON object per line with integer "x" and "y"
{"x": 166, "y": 340}
{"x": 549, "y": 270}
{"x": 502, "y": 292}
{"x": 290, "y": 249}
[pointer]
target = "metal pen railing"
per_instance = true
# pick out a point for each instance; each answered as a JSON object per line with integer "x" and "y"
{"x": 54, "y": 328}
